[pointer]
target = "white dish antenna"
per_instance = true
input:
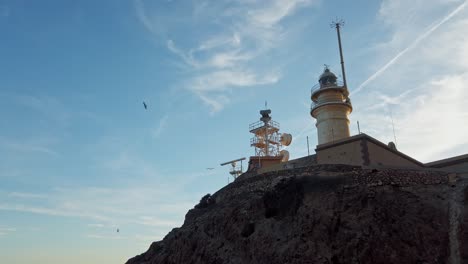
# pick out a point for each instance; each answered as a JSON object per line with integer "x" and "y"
{"x": 286, "y": 139}
{"x": 285, "y": 154}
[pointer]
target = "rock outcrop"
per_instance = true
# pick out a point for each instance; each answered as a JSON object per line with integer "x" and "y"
{"x": 325, "y": 214}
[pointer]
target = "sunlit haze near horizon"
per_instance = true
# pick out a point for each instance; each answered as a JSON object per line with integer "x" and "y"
{"x": 81, "y": 156}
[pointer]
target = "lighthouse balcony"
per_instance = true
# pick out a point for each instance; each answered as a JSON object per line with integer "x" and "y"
{"x": 319, "y": 85}
{"x": 324, "y": 87}
{"x": 316, "y": 105}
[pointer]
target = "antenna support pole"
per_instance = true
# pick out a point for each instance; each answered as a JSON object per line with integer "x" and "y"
{"x": 338, "y": 24}
{"x": 393, "y": 127}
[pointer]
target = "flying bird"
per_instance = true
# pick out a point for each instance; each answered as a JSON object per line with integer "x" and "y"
{"x": 209, "y": 168}
{"x": 144, "y": 105}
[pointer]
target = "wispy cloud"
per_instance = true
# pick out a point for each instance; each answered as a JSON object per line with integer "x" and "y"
{"x": 96, "y": 225}
{"x": 105, "y": 236}
{"x": 229, "y": 57}
{"x": 411, "y": 46}
{"x": 158, "y": 130}
{"x": 27, "y": 146}
{"x": 155, "y": 221}
{"x": 110, "y": 207}
{"x": 6, "y": 230}
{"x": 434, "y": 122}
{"x": 384, "y": 100}
{"x": 225, "y": 79}
{"x": 27, "y": 195}
{"x": 425, "y": 91}
{"x": 47, "y": 106}
{"x": 50, "y": 211}
{"x": 272, "y": 14}
{"x": 144, "y": 19}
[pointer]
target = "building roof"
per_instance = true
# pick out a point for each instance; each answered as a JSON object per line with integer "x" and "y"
{"x": 448, "y": 161}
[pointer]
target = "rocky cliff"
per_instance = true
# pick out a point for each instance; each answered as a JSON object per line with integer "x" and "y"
{"x": 325, "y": 214}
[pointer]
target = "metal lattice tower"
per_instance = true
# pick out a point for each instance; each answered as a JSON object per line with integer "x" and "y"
{"x": 267, "y": 140}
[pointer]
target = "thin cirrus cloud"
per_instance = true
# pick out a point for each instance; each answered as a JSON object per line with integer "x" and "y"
{"x": 6, "y": 230}
{"x": 27, "y": 195}
{"x": 228, "y": 58}
{"x": 44, "y": 106}
{"x": 421, "y": 37}
{"x": 96, "y": 225}
{"x": 35, "y": 146}
{"x": 159, "y": 128}
{"x": 108, "y": 207}
{"x": 427, "y": 97}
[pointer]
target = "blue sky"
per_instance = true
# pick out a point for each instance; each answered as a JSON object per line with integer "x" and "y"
{"x": 81, "y": 157}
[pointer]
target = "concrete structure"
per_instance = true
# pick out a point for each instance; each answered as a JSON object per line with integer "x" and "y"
{"x": 331, "y": 107}
{"x": 453, "y": 164}
{"x": 257, "y": 163}
{"x": 363, "y": 150}
{"x": 359, "y": 150}
{"x": 302, "y": 162}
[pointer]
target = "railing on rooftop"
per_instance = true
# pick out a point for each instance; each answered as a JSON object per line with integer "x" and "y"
{"x": 273, "y": 139}
{"x": 316, "y": 104}
{"x": 338, "y": 83}
{"x": 259, "y": 124}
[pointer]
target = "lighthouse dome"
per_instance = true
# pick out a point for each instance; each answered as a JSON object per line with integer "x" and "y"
{"x": 327, "y": 78}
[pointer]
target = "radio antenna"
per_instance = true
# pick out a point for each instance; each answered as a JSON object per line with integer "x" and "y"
{"x": 393, "y": 127}
{"x": 338, "y": 23}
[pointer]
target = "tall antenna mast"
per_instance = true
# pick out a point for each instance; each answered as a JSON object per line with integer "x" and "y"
{"x": 393, "y": 126}
{"x": 338, "y": 23}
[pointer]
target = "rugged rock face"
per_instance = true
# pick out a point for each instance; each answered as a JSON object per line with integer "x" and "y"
{"x": 325, "y": 214}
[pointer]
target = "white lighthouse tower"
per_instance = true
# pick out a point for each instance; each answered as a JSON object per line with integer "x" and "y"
{"x": 330, "y": 102}
{"x": 331, "y": 107}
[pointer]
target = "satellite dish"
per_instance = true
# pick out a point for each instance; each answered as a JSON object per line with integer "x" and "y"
{"x": 286, "y": 139}
{"x": 285, "y": 154}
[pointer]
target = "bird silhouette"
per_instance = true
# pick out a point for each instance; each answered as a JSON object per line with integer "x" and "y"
{"x": 144, "y": 105}
{"x": 209, "y": 168}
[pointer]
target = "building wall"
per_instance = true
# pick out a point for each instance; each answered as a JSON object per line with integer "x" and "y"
{"x": 256, "y": 162}
{"x": 460, "y": 167}
{"x": 363, "y": 151}
{"x": 292, "y": 164}
{"x": 380, "y": 156}
{"x": 453, "y": 164}
{"x": 346, "y": 153}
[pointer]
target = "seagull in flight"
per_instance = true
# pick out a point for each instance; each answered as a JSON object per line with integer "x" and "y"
{"x": 144, "y": 105}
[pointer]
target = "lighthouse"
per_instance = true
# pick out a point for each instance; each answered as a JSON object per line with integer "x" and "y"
{"x": 331, "y": 107}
